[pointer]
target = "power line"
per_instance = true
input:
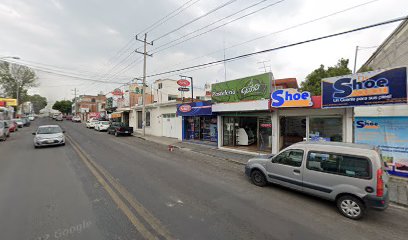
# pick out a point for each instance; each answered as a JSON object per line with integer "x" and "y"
{"x": 280, "y": 31}
{"x": 168, "y": 17}
{"x": 196, "y": 19}
{"x": 215, "y": 28}
{"x": 57, "y": 73}
{"x": 283, "y": 47}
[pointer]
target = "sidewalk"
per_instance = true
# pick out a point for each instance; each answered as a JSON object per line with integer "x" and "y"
{"x": 212, "y": 151}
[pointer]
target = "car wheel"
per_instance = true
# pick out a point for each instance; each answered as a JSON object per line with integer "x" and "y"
{"x": 351, "y": 207}
{"x": 36, "y": 147}
{"x": 63, "y": 144}
{"x": 258, "y": 178}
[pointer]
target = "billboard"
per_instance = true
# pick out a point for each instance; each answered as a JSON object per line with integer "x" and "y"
{"x": 194, "y": 109}
{"x": 245, "y": 89}
{"x": 390, "y": 134}
{"x": 9, "y": 101}
{"x": 388, "y": 86}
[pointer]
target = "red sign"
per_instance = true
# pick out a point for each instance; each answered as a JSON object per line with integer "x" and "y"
{"x": 185, "y": 108}
{"x": 266, "y": 125}
{"x": 117, "y": 92}
{"x": 183, "y": 83}
{"x": 183, "y": 89}
{"x": 2, "y": 104}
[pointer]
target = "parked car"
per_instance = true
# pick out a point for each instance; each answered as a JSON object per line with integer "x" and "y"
{"x": 31, "y": 117}
{"x": 119, "y": 128}
{"x": 91, "y": 123}
{"x": 19, "y": 122}
{"x": 102, "y": 126}
{"x": 48, "y": 135}
{"x": 55, "y": 115}
{"x": 350, "y": 174}
{"x": 26, "y": 122}
{"x": 12, "y": 125}
{"x": 68, "y": 117}
{"x": 76, "y": 119}
{"x": 4, "y": 131}
{"x": 59, "y": 118}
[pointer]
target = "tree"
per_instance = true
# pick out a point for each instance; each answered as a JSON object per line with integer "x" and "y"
{"x": 314, "y": 79}
{"x": 15, "y": 80}
{"x": 64, "y": 106}
{"x": 38, "y": 102}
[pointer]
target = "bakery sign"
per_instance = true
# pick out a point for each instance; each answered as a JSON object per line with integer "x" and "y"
{"x": 244, "y": 89}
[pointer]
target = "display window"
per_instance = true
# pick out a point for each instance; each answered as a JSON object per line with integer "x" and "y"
{"x": 295, "y": 129}
{"x": 202, "y": 128}
{"x": 248, "y": 133}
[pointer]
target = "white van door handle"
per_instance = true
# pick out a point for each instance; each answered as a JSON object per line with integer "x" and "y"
{"x": 296, "y": 171}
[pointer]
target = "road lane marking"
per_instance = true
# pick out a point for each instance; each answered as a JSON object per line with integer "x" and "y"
{"x": 125, "y": 209}
{"x": 136, "y": 205}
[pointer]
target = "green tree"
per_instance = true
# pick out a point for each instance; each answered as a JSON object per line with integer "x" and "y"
{"x": 39, "y": 102}
{"x": 64, "y": 106}
{"x": 15, "y": 80}
{"x": 314, "y": 79}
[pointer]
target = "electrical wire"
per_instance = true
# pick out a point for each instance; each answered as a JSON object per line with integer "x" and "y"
{"x": 196, "y": 19}
{"x": 169, "y": 16}
{"x": 154, "y": 51}
{"x": 282, "y": 47}
{"x": 279, "y": 31}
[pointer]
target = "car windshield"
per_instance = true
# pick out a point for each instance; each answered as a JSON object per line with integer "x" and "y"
{"x": 18, "y": 120}
{"x": 48, "y": 130}
{"x": 105, "y": 123}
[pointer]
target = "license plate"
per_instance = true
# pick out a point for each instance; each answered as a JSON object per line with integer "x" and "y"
{"x": 50, "y": 141}
{"x": 126, "y": 132}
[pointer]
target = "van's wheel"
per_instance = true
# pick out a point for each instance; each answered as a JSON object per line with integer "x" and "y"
{"x": 258, "y": 178}
{"x": 351, "y": 207}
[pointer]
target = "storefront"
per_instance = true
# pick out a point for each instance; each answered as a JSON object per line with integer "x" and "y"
{"x": 378, "y": 120}
{"x": 198, "y": 124}
{"x": 244, "y": 120}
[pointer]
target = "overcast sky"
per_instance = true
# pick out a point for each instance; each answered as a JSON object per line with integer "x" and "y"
{"x": 95, "y": 38}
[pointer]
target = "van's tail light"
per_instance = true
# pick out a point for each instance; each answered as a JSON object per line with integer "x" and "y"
{"x": 380, "y": 183}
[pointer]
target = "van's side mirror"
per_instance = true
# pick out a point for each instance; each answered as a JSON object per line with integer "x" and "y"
{"x": 33, "y": 133}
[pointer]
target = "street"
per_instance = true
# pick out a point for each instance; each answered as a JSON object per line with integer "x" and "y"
{"x": 99, "y": 186}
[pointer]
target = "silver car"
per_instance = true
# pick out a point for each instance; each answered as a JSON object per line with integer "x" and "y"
{"x": 49, "y": 135}
{"x": 352, "y": 175}
{"x": 4, "y": 131}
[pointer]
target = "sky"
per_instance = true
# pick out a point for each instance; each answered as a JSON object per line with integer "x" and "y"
{"x": 95, "y": 39}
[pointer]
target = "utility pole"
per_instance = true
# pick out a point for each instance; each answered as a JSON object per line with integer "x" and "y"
{"x": 75, "y": 100}
{"x": 145, "y": 54}
{"x": 355, "y": 60}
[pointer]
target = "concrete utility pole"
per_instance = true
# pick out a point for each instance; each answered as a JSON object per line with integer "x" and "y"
{"x": 145, "y": 54}
{"x": 75, "y": 100}
{"x": 355, "y": 60}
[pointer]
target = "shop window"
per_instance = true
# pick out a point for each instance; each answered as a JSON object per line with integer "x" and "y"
{"x": 160, "y": 85}
{"x": 292, "y": 130}
{"x": 326, "y": 129}
{"x": 172, "y": 97}
{"x": 265, "y": 133}
{"x": 147, "y": 119}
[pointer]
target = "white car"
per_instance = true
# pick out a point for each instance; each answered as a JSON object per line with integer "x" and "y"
{"x": 49, "y": 135}
{"x": 102, "y": 126}
{"x": 76, "y": 119}
{"x": 4, "y": 131}
{"x": 31, "y": 118}
{"x": 91, "y": 123}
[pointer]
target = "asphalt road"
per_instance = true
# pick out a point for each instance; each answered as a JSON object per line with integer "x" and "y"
{"x": 103, "y": 187}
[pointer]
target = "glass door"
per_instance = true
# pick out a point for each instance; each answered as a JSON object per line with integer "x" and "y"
{"x": 265, "y": 133}
{"x": 228, "y": 131}
{"x": 292, "y": 130}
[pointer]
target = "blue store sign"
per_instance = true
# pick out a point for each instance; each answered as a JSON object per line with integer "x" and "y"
{"x": 364, "y": 89}
{"x": 194, "y": 109}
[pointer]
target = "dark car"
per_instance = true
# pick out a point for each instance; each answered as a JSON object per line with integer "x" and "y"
{"x": 119, "y": 128}
{"x": 26, "y": 122}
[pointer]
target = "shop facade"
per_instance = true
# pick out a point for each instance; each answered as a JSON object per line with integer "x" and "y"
{"x": 199, "y": 124}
